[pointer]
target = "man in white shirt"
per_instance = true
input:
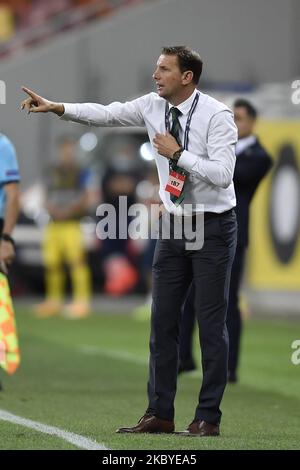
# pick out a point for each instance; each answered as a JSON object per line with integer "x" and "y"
{"x": 193, "y": 138}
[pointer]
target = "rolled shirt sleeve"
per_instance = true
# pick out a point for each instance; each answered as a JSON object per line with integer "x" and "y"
{"x": 130, "y": 113}
{"x": 218, "y": 167}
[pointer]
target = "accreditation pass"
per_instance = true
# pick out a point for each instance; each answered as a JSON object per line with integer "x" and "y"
{"x": 175, "y": 183}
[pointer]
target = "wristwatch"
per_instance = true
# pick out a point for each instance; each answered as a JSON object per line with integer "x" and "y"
{"x": 176, "y": 155}
{"x": 8, "y": 238}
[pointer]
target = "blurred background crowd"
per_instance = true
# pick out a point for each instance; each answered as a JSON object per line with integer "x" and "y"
{"x": 57, "y": 226}
{"x": 34, "y": 21}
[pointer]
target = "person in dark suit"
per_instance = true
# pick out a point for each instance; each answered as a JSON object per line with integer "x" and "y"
{"x": 252, "y": 164}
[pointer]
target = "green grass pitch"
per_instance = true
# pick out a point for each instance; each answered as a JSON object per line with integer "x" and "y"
{"x": 89, "y": 377}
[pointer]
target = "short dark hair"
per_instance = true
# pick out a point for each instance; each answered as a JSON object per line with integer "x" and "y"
{"x": 242, "y": 103}
{"x": 187, "y": 59}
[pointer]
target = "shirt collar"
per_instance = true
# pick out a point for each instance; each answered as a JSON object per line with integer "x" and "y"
{"x": 185, "y": 106}
{"x": 244, "y": 143}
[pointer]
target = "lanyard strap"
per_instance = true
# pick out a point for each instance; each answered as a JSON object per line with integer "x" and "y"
{"x": 188, "y": 123}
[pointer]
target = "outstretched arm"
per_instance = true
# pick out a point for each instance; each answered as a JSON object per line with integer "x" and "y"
{"x": 130, "y": 113}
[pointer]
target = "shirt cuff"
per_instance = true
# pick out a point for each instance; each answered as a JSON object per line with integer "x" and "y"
{"x": 70, "y": 111}
{"x": 188, "y": 161}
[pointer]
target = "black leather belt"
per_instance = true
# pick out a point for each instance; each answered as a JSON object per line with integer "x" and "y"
{"x": 207, "y": 215}
{"x": 214, "y": 215}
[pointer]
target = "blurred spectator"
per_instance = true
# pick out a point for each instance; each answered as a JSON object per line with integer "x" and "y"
{"x": 119, "y": 257}
{"x": 7, "y": 22}
{"x": 68, "y": 189}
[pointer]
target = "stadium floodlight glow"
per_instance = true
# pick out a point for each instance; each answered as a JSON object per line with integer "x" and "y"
{"x": 146, "y": 151}
{"x": 286, "y": 208}
{"x": 145, "y": 190}
{"x": 88, "y": 141}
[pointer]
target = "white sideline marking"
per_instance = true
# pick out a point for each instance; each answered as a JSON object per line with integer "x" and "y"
{"x": 76, "y": 439}
{"x": 126, "y": 356}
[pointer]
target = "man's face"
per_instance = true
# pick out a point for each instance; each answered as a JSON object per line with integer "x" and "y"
{"x": 243, "y": 121}
{"x": 168, "y": 76}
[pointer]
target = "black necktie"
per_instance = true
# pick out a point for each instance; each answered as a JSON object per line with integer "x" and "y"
{"x": 175, "y": 132}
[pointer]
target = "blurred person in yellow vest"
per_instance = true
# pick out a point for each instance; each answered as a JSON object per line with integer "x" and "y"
{"x": 7, "y": 22}
{"x": 68, "y": 189}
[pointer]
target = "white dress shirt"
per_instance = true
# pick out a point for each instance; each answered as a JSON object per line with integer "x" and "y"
{"x": 210, "y": 158}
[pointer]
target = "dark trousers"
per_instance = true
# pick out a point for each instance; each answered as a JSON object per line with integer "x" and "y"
{"x": 187, "y": 328}
{"x": 233, "y": 320}
{"x": 174, "y": 268}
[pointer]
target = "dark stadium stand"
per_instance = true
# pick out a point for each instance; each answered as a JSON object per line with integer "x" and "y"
{"x": 25, "y": 23}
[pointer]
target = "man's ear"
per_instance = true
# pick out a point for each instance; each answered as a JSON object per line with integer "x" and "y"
{"x": 187, "y": 77}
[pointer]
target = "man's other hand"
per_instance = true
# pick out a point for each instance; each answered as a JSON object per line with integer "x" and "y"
{"x": 165, "y": 145}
